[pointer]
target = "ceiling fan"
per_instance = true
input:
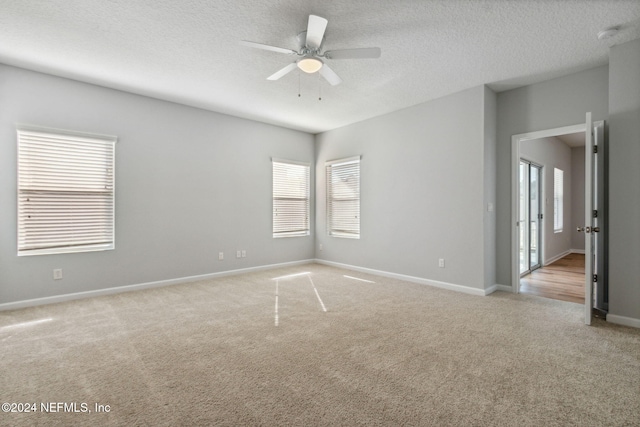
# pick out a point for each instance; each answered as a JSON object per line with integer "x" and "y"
{"x": 311, "y": 55}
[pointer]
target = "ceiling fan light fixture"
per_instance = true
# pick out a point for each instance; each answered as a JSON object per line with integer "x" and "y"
{"x": 310, "y": 64}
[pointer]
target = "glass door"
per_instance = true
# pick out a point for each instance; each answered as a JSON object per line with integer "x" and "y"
{"x": 535, "y": 216}
{"x": 523, "y": 218}
{"x": 530, "y": 216}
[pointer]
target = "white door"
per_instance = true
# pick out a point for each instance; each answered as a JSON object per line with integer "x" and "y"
{"x": 594, "y": 212}
{"x": 599, "y": 284}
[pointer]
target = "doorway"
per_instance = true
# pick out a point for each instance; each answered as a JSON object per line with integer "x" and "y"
{"x": 592, "y": 224}
{"x": 541, "y": 242}
{"x": 551, "y": 176}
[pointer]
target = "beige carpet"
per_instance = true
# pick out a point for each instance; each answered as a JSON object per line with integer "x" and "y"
{"x": 383, "y": 354}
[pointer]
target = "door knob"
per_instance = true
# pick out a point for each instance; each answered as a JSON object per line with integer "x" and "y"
{"x": 587, "y": 229}
{"x": 596, "y": 229}
{"x": 580, "y": 229}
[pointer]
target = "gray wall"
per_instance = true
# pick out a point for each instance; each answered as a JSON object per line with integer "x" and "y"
{"x": 624, "y": 181}
{"x": 189, "y": 184}
{"x": 552, "y": 153}
{"x": 546, "y": 105}
{"x": 422, "y": 189}
{"x": 577, "y": 197}
{"x": 489, "y": 206}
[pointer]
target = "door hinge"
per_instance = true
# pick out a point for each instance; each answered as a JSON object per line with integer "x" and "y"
{"x": 595, "y": 278}
{"x": 539, "y": 216}
{"x": 595, "y": 149}
{"x": 595, "y": 213}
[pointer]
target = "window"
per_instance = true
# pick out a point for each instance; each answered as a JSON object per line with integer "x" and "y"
{"x": 558, "y": 196}
{"x": 343, "y": 198}
{"x": 65, "y": 192}
{"x": 290, "y": 198}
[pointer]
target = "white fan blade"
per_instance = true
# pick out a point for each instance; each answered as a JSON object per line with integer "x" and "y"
{"x": 364, "y": 52}
{"x": 286, "y": 70}
{"x": 330, "y": 75}
{"x": 267, "y": 47}
{"x": 315, "y": 31}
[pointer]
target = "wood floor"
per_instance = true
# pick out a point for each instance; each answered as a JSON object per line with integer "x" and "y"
{"x": 562, "y": 280}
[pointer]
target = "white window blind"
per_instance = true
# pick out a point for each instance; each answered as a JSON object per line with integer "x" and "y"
{"x": 65, "y": 192}
{"x": 290, "y": 198}
{"x": 558, "y": 199}
{"x": 343, "y": 198}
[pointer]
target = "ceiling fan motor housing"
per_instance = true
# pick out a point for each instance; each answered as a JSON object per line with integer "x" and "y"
{"x": 302, "y": 44}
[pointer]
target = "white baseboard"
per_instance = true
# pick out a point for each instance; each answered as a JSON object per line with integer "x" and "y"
{"x": 491, "y": 289}
{"x": 413, "y": 279}
{"x": 622, "y": 320}
{"x": 577, "y": 251}
{"x": 504, "y": 288}
{"x": 129, "y": 288}
{"x": 557, "y": 257}
{"x": 497, "y": 287}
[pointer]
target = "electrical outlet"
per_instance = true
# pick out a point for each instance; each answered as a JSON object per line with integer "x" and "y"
{"x": 238, "y": 254}
{"x": 57, "y": 274}
{"x": 244, "y": 253}
{"x": 441, "y": 263}
{"x": 320, "y": 246}
{"x": 220, "y": 256}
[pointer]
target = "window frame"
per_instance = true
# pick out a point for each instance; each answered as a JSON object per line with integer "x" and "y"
{"x": 27, "y": 185}
{"x": 306, "y": 230}
{"x": 334, "y": 227}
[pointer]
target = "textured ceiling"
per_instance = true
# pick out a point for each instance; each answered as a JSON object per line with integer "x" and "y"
{"x": 187, "y": 51}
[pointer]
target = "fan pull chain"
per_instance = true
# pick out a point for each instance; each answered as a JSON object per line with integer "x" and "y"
{"x": 319, "y": 87}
